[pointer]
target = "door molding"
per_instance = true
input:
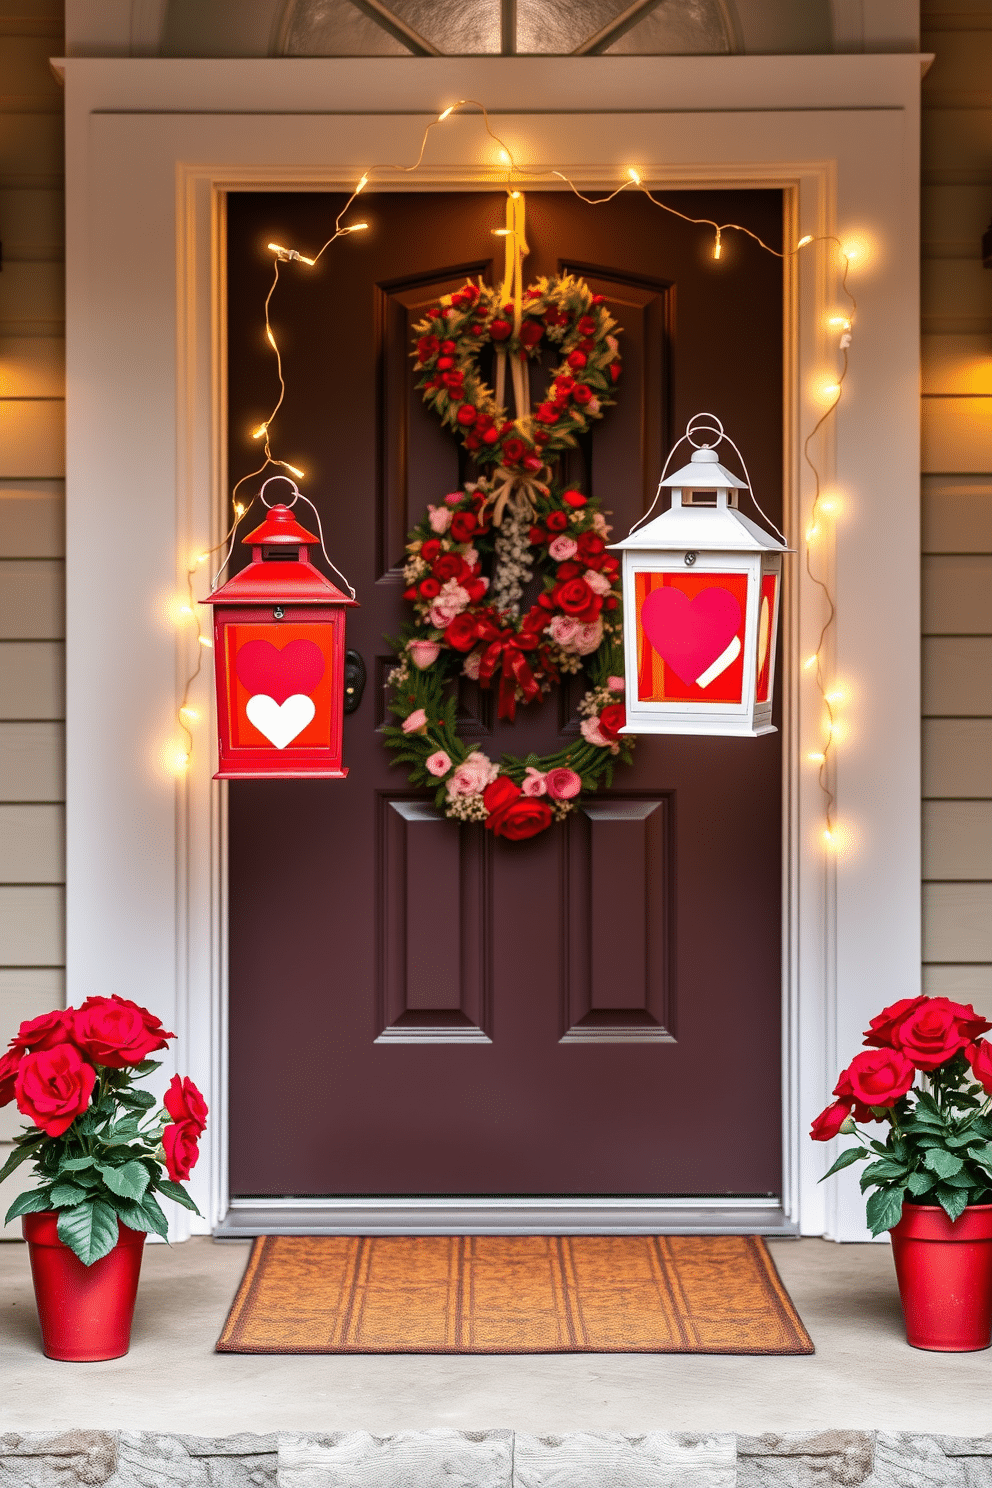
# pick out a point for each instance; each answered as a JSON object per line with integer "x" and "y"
{"x": 152, "y": 146}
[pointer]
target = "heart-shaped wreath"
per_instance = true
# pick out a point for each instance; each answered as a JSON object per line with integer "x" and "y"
{"x": 509, "y": 521}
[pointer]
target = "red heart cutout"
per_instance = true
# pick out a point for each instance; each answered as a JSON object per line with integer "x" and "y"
{"x": 689, "y": 634}
{"x": 280, "y": 674}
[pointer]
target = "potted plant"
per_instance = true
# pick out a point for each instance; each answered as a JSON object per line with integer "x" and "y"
{"x": 927, "y": 1076}
{"x": 98, "y": 1148}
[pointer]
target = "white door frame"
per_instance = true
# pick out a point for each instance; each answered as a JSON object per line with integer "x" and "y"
{"x": 151, "y": 148}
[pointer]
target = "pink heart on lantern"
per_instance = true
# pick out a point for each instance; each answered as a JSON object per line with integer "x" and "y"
{"x": 296, "y": 668}
{"x": 690, "y": 634}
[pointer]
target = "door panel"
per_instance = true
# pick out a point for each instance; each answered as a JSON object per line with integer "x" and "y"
{"x": 588, "y": 1012}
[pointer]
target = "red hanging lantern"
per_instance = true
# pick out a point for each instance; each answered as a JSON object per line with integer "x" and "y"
{"x": 279, "y": 656}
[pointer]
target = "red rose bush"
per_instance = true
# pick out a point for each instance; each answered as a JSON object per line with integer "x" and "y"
{"x": 927, "y": 1073}
{"x": 98, "y": 1146}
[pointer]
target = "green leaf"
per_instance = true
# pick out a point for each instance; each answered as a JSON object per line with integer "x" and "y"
{"x": 127, "y": 1182}
{"x": 144, "y": 1216}
{"x": 953, "y": 1201}
{"x": 76, "y": 1164}
{"x": 64, "y": 1195}
{"x": 852, "y": 1154}
{"x": 920, "y": 1183}
{"x": 880, "y": 1172}
{"x": 884, "y": 1209}
{"x": 35, "y": 1201}
{"x": 177, "y": 1192}
{"x": 89, "y": 1229}
{"x": 124, "y": 1130}
{"x": 981, "y": 1152}
{"x": 19, "y": 1155}
{"x": 942, "y": 1162}
{"x": 147, "y": 1066}
{"x": 137, "y": 1100}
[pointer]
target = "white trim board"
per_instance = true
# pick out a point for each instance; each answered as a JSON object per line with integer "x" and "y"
{"x": 151, "y": 147}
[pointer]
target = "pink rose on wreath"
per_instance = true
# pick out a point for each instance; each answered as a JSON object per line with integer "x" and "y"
{"x": 454, "y": 498}
{"x": 598, "y": 583}
{"x": 438, "y": 764}
{"x": 589, "y": 638}
{"x": 471, "y": 665}
{"x": 471, "y": 556}
{"x": 600, "y": 524}
{"x": 472, "y": 776}
{"x": 415, "y": 722}
{"x": 562, "y": 783}
{"x": 534, "y": 782}
{"x": 615, "y": 684}
{"x": 564, "y": 631}
{"x": 562, "y": 548}
{"x": 589, "y": 728}
{"x": 439, "y": 518}
{"x": 424, "y": 653}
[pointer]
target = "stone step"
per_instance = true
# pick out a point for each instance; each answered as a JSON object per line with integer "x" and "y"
{"x": 494, "y": 1459}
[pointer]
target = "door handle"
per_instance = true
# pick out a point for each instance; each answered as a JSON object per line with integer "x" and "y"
{"x": 355, "y": 678}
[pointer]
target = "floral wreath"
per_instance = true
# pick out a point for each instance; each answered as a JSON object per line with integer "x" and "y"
{"x": 466, "y": 623}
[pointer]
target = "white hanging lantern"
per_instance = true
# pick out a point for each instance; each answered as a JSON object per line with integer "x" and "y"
{"x": 701, "y": 593}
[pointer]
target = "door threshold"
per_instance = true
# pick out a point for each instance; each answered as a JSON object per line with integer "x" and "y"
{"x": 505, "y": 1216}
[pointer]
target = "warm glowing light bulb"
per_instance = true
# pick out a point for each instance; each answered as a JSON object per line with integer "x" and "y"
{"x": 829, "y": 504}
{"x": 504, "y": 155}
{"x": 851, "y": 251}
{"x": 841, "y": 321}
{"x": 308, "y": 261}
{"x": 816, "y": 759}
{"x": 201, "y": 558}
{"x": 811, "y": 531}
{"x": 357, "y": 227}
{"x": 187, "y": 712}
{"x": 272, "y": 339}
{"x": 362, "y": 184}
{"x": 810, "y": 663}
{"x": 830, "y": 389}
{"x": 829, "y": 837}
{"x": 239, "y": 510}
{"x": 178, "y": 761}
{"x": 502, "y": 232}
{"x": 717, "y": 247}
{"x": 277, "y": 248}
{"x": 632, "y": 173}
{"x": 837, "y": 696}
{"x": 515, "y": 195}
{"x": 262, "y": 429}
{"x": 205, "y": 641}
{"x": 449, "y": 110}
{"x": 803, "y": 241}
{"x": 293, "y": 468}
{"x": 184, "y": 610}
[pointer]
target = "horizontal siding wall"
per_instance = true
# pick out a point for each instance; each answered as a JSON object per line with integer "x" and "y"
{"x": 957, "y": 502}
{"x": 32, "y": 522}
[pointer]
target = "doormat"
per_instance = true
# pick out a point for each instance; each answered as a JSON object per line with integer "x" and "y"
{"x": 500, "y": 1294}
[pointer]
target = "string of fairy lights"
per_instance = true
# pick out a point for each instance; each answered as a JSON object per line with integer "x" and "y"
{"x": 824, "y": 506}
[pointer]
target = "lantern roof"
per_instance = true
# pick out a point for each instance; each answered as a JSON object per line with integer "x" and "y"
{"x": 704, "y": 473}
{"x": 701, "y": 528}
{"x": 279, "y": 527}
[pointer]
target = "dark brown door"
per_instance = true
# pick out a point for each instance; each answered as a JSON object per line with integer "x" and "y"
{"x": 416, "y": 1008}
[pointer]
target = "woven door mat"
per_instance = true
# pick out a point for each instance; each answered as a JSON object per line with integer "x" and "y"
{"x": 497, "y": 1294}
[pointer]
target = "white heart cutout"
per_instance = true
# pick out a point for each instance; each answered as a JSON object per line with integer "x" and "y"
{"x": 280, "y": 722}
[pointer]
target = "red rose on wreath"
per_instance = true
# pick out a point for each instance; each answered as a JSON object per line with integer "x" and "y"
{"x": 462, "y": 632}
{"x": 429, "y": 588}
{"x": 556, "y": 521}
{"x": 450, "y": 566}
{"x": 53, "y": 1087}
{"x": 612, "y": 720}
{"x": 430, "y": 549}
{"x": 531, "y": 332}
{"x": 574, "y": 499}
{"x": 512, "y": 814}
{"x": 463, "y": 524}
{"x": 513, "y": 451}
{"x": 573, "y": 596}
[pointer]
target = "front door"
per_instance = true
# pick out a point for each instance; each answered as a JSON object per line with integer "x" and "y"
{"x": 415, "y": 1007}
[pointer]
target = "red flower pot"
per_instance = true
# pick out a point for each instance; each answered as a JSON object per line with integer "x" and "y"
{"x": 944, "y": 1271}
{"x": 85, "y": 1311}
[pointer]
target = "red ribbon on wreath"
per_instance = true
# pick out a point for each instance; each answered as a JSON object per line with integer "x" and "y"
{"x": 505, "y": 649}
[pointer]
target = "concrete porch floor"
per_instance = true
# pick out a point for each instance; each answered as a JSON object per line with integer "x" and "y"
{"x": 863, "y": 1375}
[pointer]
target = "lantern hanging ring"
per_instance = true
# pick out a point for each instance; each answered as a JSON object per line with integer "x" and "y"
{"x": 296, "y": 493}
{"x": 695, "y": 427}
